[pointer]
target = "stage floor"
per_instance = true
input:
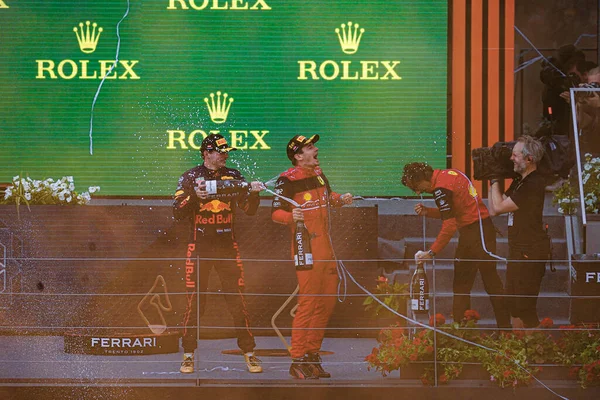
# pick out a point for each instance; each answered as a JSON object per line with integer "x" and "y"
{"x": 38, "y": 367}
{"x": 36, "y": 359}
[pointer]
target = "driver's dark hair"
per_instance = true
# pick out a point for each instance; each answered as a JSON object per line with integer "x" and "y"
{"x": 416, "y": 172}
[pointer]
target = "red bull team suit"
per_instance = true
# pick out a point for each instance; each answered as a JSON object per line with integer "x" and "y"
{"x": 460, "y": 208}
{"x": 212, "y": 237}
{"x": 311, "y": 190}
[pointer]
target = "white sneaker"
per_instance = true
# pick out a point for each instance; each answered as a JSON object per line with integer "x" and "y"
{"x": 253, "y": 363}
{"x": 187, "y": 366}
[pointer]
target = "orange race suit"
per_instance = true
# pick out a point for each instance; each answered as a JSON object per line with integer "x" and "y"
{"x": 311, "y": 190}
{"x": 212, "y": 237}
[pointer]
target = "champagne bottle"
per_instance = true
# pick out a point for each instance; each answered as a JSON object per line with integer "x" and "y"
{"x": 226, "y": 187}
{"x": 303, "y": 259}
{"x": 419, "y": 290}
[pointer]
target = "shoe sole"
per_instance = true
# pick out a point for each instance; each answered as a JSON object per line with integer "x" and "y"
{"x": 298, "y": 375}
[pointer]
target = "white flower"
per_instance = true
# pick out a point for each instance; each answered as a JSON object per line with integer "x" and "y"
{"x": 69, "y": 198}
{"x": 560, "y": 210}
{"x": 93, "y": 189}
{"x": 71, "y": 186}
{"x": 28, "y": 196}
{"x": 61, "y": 196}
{"x": 85, "y": 197}
{"x": 7, "y": 193}
{"x": 586, "y": 177}
{"x": 69, "y": 178}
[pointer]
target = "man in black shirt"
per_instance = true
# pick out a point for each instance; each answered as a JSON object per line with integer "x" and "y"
{"x": 527, "y": 241}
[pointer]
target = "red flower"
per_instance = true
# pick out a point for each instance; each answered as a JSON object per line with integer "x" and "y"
{"x": 413, "y": 357}
{"x": 507, "y": 373}
{"x": 519, "y": 334}
{"x": 375, "y": 351}
{"x": 566, "y": 327}
{"x": 546, "y": 323}
{"x": 472, "y": 315}
{"x": 444, "y": 378}
{"x": 429, "y": 349}
{"x": 397, "y": 333}
{"x": 382, "y": 279}
{"x": 439, "y": 319}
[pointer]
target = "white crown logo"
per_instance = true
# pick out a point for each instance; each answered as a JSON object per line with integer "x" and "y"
{"x": 349, "y": 39}
{"x": 218, "y": 111}
{"x": 87, "y": 39}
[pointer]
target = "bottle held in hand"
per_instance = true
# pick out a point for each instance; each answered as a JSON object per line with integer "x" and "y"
{"x": 419, "y": 290}
{"x": 303, "y": 259}
{"x": 226, "y": 187}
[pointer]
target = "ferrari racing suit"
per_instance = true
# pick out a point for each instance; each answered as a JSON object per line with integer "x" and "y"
{"x": 318, "y": 286}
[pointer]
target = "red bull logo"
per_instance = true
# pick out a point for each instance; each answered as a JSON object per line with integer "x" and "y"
{"x": 215, "y": 206}
{"x": 189, "y": 266}
{"x": 214, "y": 219}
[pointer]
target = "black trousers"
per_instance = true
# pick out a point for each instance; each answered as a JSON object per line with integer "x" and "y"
{"x": 525, "y": 279}
{"x": 230, "y": 269}
{"x": 465, "y": 271}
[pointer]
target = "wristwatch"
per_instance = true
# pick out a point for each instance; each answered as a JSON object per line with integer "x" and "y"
{"x": 431, "y": 253}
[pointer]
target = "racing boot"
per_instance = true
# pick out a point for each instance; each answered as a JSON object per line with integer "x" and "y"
{"x": 253, "y": 363}
{"x": 302, "y": 369}
{"x": 187, "y": 366}
{"x": 315, "y": 360}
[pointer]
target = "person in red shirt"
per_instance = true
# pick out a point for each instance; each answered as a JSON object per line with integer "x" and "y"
{"x": 307, "y": 186}
{"x": 460, "y": 208}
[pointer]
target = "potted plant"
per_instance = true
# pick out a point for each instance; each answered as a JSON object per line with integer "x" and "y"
{"x": 25, "y": 190}
{"x": 392, "y": 295}
{"x": 567, "y": 198}
{"x": 508, "y": 359}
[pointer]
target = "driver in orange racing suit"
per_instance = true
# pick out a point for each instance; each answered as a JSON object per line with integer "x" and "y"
{"x": 306, "y": 184}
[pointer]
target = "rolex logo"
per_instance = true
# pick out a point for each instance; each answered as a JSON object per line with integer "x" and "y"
{"x": 88, "y": 35}
{"x": 349, "y": 38}
{"x": 218, "y": 109}
{"x": 87, "y": 38}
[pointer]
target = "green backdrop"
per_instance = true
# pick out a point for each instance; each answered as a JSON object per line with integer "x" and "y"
{"x": 150, "y": 113}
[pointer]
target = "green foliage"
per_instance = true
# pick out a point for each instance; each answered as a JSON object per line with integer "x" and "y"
{"x": 393, "y": 296}
{"x": 567, "y": 196}
{"x": 510, "y": 358}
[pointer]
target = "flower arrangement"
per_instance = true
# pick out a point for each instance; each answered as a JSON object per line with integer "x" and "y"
{"x": 579, "y": 348}
{"x": 399, "y": 347}
{"x": 567, "y": 196}
{"x": 513, "y": 361}
{"x": 25, "y": 190}
{"x": 394, "y": 296}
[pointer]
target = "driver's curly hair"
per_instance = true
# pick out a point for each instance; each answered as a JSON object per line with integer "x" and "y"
{"x": 416, "y": 172}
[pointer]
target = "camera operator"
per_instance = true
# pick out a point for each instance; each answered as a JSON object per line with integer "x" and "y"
{"x": 588, "y": 114}
{"x": 527, "y": 240}
{"x": 559, "y": 74}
